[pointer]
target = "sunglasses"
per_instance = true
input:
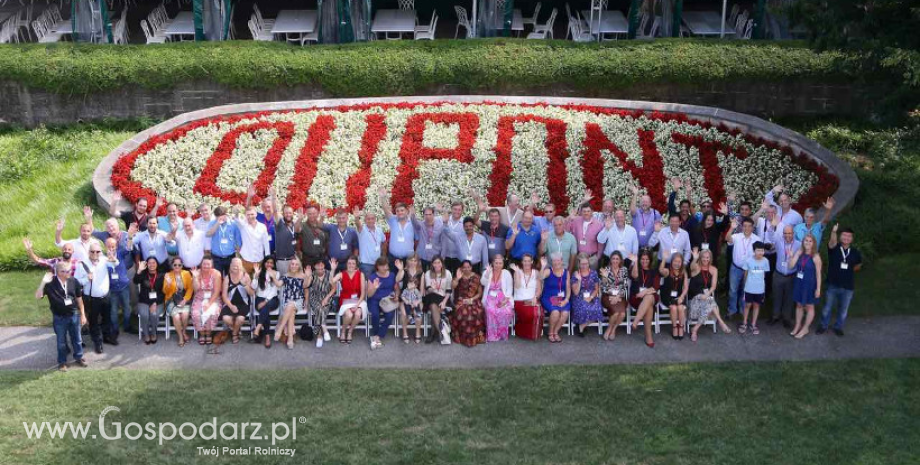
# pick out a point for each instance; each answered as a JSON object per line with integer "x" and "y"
{"x": 95, "y": 251}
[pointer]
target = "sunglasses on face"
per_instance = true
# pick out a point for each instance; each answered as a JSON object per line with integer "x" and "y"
{"x": 95, "y": 251}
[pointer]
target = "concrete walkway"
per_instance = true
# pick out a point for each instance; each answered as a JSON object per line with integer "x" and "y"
{"x": 33, "y": 348}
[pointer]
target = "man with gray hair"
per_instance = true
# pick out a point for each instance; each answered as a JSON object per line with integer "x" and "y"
{"x": 202, "y": 224}
{"x": 429, "y": 233}
{"x": 371, "y": 241}
{"x": 786, "y": 246}
{"x": 93, "y": 275}
{"x": 809, "y": 226}
{"x": 64, "y": 293}
{"x": 644, "y": 218}
{"x": 784, "y": 210}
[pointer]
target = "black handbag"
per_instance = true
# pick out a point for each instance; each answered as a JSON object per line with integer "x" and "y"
{"x": 306, "y": 332}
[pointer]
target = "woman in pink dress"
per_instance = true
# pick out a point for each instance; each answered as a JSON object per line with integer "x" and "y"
{"x": 498, "y": 291}
{"x": 207, "y": 283}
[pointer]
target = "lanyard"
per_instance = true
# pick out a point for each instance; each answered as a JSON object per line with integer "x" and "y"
{"x": 561, "y": 280}
{"x": 402, "y": 228}
{"x": 706, "y": 277}
{"x": 64, "y": 286}
{"x": 802, "y": 263}
{"x": 492, "y": 230}
{"x": 746, "y": 245}
{"x": 643, "y": 218}
{"x": 438, "y": 283}
{"x": 527, "y": 279}
{"x": 153, "y": 279}
{"x": 511, "y": 218}
{"x": 642, "y": 277}
{"x": 341, "y": 236}
{"x": 584, "y": 230}
{"x": 469, "y": 245}
{"x": 845, "y": 254}
{"x": 558, "y": 243}
{"x": 290, "y": 228}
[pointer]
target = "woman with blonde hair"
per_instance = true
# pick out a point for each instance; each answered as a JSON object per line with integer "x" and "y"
{"x": 236, "y": 294}
{"x": 807, "y": 287}
{"x": 704, "y": 277}
{"x": 498, "y": 291}
{"x": 206, "y": 305}
{"x": 295, "y": 289}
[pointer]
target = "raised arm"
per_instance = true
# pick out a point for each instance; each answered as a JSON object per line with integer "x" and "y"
{"x": 832, "y": 241}
{"x": 633, "y": 199}
{"x": 40, "y": 292}
{"x": 828, "y": 207}
{"x": 385, "y": 203}
{"x": 58, "y": 231}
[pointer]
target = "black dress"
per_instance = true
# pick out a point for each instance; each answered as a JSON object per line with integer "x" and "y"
{"x": 670, "y": 286}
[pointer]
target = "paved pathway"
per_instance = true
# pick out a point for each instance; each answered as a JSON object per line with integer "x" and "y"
{"x": 32, "y": 348}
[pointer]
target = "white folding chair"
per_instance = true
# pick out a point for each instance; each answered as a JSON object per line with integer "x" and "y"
{"x": 152, "y": 37}
{"x": 260, "y": 20}
{"x": 258, "y": 34}
{"x": 311, "y": 37}
{"x": 44, "y": 34}
{"x": 462, "y": 20}
{"x": 543, "y": 31}
{"x": 536, "y": 13}
{"x": 427, "y": 32}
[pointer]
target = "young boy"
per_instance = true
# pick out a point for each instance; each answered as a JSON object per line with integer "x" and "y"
{"x": 755, "y": 272}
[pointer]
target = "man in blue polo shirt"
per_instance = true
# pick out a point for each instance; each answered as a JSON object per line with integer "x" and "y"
{"x": 343, "y": 240}
{"x": 225, "y": 240}
{"x": 402, "y": 232}
{"x": 523, "y": 238}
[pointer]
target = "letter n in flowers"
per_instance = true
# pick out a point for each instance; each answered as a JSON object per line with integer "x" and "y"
{"x": 713, "y": 180}
{"x": 650, "y": 175}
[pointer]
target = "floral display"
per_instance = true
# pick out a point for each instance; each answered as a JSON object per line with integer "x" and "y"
{"x": 428, "y": 154}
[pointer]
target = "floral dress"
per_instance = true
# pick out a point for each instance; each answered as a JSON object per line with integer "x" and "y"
{"x": 584, "y": 311}
{"x": 467, "y": 321}
{"x": 498, "y": 316}
{"x": 293, "y": 292}
{"x": 205, "y": 291}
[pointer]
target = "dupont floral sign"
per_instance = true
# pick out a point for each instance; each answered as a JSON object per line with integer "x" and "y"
{"x": 427, "y": 151}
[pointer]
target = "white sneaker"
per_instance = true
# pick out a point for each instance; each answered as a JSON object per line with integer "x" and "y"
{"x": 326, "y": 336}
{"x": 319, "y": 342}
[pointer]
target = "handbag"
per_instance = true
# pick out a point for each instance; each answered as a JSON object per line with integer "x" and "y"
{"x": 306, "y": 332}
{"x": 388, "y": 304}
{"x": 445, "y": 333}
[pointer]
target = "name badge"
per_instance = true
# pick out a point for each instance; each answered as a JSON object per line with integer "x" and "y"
{"x": 673, "y": 293}
{"x": 561, "y": 294}
{"x": 152, "y": 295}
{"x": 400, "y": 239}
{"x": 642, "y": 289}
{"x": 354, "y": 296}
{"x": 469, "y": 257}
{"x": 642, "y": 233}
{"x": 705, "y": 246}
{"x": 800, "y": 275}
{"x": 622, "y": 247}
{"x": 151, "y": 252}
{"x": 68, "y": 301}
{"x": 343, "y": 246}
{"x": 271, "y": 239}
{"x": 294, "y": 242}
{"x": 224, "y": 241}
{"x": 844, "y": 266}
{"x": 583, "y": 242}
{"x": 587, "y": 296}
{"x": 114, "y": 275}
{"x": 493, "y": 293}
{"x": 757, "y": 271}
{"x": 491, "y": 246}
{"x": 207, "y": 295}
{"x": 376, "y": 248}
{"x": 673, "y": 251}
{"x": 315, "y": 241}
{"x": 615, "y": 292}
{"x": 429, "y": 246}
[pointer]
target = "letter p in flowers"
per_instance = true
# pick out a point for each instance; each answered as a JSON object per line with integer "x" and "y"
{"x": 414, "y": 150}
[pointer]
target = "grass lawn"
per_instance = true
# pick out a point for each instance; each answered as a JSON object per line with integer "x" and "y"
{"x": 848, "y": 412}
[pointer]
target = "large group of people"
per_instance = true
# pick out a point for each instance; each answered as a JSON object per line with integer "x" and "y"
{"x": 475, "y": 279}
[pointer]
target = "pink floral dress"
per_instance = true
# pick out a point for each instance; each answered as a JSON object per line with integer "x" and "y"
{"x": 498, "y": 317}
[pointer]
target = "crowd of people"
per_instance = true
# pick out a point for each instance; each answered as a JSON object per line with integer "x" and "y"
{"x": 473, "y": 277}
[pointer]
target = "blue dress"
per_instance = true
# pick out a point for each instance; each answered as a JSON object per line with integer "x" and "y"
{"x": 552, "y": 285}
{"x": 586, "y": 312}
{"x": 803, "y": 290}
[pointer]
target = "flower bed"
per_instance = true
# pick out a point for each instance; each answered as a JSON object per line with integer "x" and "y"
{"x": 434, "y": 153}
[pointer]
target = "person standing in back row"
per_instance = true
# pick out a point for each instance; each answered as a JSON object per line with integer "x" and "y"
{"x": 843, "y": 263}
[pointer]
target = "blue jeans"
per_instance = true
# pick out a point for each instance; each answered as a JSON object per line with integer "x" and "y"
{"x": 839, "y": 297}
{"x": 379, "y": 328}
{"x": 735, "y": 297}
{"x": 117, "y": 299}
{"x": 64, "y": 325}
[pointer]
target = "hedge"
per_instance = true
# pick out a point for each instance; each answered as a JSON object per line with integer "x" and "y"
{"x": 405, "y": 67}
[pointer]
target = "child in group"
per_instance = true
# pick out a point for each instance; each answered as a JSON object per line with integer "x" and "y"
{"x": 411, "y": 305}
{"x": 755, "y": 272}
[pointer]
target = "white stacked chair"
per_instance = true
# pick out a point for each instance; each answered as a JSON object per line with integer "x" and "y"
{"x": 543, "y": 31}
{"x": 579, "y": 29}
{"x": 153, "y": 36}
{"x": 748, "y": 29}
{"x": 264, "y": 24}
{"x": 536, "y": 13}
{"x": 733, "y": 16}
{"x": 462, "y": 20}
{"x": 21, "y": 23}
{"x": 43, "y": 31}
{"x": 427, "y": 32}
{"x": 257, "y": 32}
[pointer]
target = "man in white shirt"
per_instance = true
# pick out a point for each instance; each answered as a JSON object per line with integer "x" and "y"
{"x": 672, "y": 240}
{"x": 617, "y": 235}
{"x": 93, "y": 275}
{"x": 784, "y": 207}
{"x": 742, "y": 249}
{"x": 81, "y": 244}
{"x": 510, "y": 213}
{"x": 255, "y": 239}
{"x": 190, "y": 242}
{"x": 203, "y": 223}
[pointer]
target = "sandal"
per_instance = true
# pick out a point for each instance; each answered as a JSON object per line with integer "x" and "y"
{"x": 201, "y": 340}
{"x": 405, "y": 339}
{"x": 236, "y": 338}
{"x": 742, "y": 328}
{"x": 268, "y": 342}
{"x": 755, "y": 330}
{"x": 693, "y": 337}
{"x": 418, "y": 339}
{"x": 208, "y": 340}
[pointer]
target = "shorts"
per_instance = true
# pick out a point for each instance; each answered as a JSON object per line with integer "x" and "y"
{"x": 754, "y": 298}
